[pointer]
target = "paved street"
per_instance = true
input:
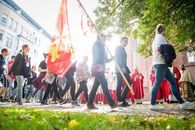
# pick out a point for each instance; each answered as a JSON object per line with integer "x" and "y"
{"x": 143, "y": 110}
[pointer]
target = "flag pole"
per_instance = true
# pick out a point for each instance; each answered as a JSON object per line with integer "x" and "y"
{"x": 118, "y": 67}
{"x": 81, "y": 5}
{"x": 120, "y": 71}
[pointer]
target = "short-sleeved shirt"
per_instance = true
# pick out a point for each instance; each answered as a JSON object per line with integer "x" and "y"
{"x": 157, "y": 57}
{"x": 43, "y": 65}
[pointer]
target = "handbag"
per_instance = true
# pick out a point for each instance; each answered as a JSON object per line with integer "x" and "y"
{"x": 97, "y": 69}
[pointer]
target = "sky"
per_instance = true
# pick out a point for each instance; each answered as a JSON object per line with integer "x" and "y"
{"x": 45, "y": 13}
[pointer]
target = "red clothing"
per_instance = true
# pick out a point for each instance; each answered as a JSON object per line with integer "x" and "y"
{"x": 177, "y": 76}
{"x": 9, "y": 65}
{"x": 129, "y": 94}
{"x": 163, "y": 90}
{"x": 166, "y": 90}
{"x": 82, "y": 98}
{"x": 137, "y": 84}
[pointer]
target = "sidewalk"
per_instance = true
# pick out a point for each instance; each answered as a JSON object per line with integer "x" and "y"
{"x": 143, "y": 109}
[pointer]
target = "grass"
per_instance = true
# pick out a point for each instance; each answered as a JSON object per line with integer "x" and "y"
{"x": 36, "y": 119}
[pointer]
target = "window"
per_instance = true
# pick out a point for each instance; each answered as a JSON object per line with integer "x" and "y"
{"x": 35, "y": 51}
{"x": 35, "y": 40}
{"x": 39, "y": 41}
{"x": 20, "y": 31}
{"x": 11, "y": 21}
{"x": 1, "y": 35}
{"x": 33, "y": 36}
{"x": 30, "y": 37}
{"x": 15, "y": 27}
{"x": 9, "y": 40}
{"x": 191, "y": 56}
{"x": 4, "y": 19}
{"x": 25, "y": 33}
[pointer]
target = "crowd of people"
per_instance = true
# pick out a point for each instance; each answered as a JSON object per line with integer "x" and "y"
{"x": 19, "y": 79}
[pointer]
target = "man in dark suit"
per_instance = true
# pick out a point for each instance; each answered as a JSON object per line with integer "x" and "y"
{"x": 121, "y": 59}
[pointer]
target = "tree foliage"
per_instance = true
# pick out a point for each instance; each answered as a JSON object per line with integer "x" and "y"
{"x": 177, "y": 15}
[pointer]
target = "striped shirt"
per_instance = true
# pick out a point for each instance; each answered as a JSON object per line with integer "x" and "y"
{"x": 82, "y": 72}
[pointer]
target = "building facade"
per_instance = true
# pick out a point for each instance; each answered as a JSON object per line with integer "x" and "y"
{"x": 145, "y": 64}
{"x": 18, "y": 28}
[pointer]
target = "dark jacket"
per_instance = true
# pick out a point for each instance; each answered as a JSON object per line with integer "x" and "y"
{"x": 31, "y": 78}
{"x": 121, "y": 59}
{"x": 19, "y": 67}
{"x": 2, "y": 63}
{"x": 168, "y": 53}
{"x": 99, "y": 53}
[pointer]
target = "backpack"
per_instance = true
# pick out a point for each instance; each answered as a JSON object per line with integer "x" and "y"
{"x": 168, "y": 52}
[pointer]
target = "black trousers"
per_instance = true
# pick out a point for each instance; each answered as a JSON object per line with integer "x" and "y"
{"x": 70, "y": 83}
{"x": 82, "y": 88}
{"x": 50, "y": 87}
{"x": 121, "y": 97}
{"x": 100, "y": 80}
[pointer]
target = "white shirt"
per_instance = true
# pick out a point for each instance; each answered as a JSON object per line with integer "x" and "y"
{"x": 82, "y": 72}
{"x": 157, "y": 57}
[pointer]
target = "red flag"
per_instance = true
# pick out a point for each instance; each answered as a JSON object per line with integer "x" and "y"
{"x": 62, "y": 19}
{"x": 86, "y": 25}
{"x": 60, "y": 52}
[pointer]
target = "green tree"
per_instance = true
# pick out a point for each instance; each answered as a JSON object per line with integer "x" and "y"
{"x": 177, "y": 15}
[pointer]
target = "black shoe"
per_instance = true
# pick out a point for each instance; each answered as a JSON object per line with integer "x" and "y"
{"x": 6, "y": 99}
{"x": 13, "y": 100}
{"x": 75, "y": 103}
{"x": 19, "y": 102}
{"x": 44, "y": 102}
{"x": 91, "y": 106}
{"x": 114, "y": 105}
{"x": 2, "y": 100}
{"x": 171, "y": 102}
{"x": 27, "y": 101}
{"x": 124, "y": 104}
{"x": 63, "y": 101}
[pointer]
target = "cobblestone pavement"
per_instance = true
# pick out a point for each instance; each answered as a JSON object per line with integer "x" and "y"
{"x": 143, "y": 109}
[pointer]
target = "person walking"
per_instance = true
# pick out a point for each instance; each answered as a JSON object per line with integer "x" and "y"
{"x": 162, "y": 70}
{"x": 39, "y": 82}
{"x": 30, "y": 86}
{"x": 12, "y": 81}
{"x": 121, "y": 59}
{"x": 98, "y": 67}
{"x": 4, "y": 83}
{"x": 70, "y": 84}
{"x": 51, "y": 85}
{"x": 21, "y": 70}
{"x": 82, "y": 75}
